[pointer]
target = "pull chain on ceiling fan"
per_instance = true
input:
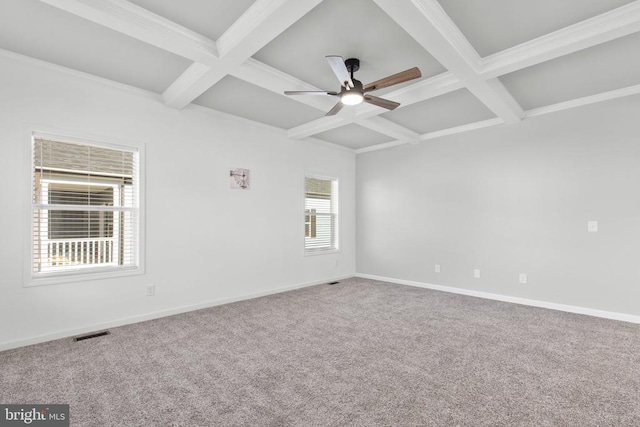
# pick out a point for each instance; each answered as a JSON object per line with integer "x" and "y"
{"x": 352, "y": 91}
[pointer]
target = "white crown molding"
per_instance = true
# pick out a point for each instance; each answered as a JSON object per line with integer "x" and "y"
{"x": 262, "y": 126}
{"x": 137, "y": 22}
{"x": 592, "y": 99}
{"x": 328, "y": 144}
{"x": 624, "y": 317}
{"x": 80, "y": 74}
{"x": 437, "y": 134}
{"x": 461, "y": 129}
{"x": 378, "y": 147}
{"x": 617, "y": 23}
{"x": 236, "y": 119}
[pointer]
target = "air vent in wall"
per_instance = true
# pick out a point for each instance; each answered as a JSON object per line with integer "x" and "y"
{"x": 95, "y": 335}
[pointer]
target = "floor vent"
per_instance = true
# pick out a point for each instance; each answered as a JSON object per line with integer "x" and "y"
{"x": 333, "y": 283}
{"x": 96, "y": 335}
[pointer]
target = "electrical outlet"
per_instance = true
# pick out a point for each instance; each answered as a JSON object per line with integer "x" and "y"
{"x": 151, "y": 290}
{"x": 437, "y": 268}
{"x": 476, "y": 273}
{"x": 523, "y": 278}
{"x": 592, "y": 226}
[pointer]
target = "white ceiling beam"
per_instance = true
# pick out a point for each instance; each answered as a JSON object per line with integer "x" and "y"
{"x": 579, "y": 102}
{"x": 267, "y": 77}
{"x": 213, "y": 61}
{"x": 426, "y": 89}
{"x": 137, "y": 22}
{"x": 320, "y": 125}
{"x": 260, "y": 24}
{"x": 194, "y": 81}
{"x": 431, "y": 27}
{"x": 389, "y": 128}
{"x": 461, "y": 129}
{"x": 268, "y": 18}
{"x": 617, "y": 23}
{"x": 608, "y": 26}
{"x": 378, "y": 147}
{"x": 417, "y": 92}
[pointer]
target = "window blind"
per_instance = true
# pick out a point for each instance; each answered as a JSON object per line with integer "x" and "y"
{"x": 84, "y": 208}
{"x": 320, "y": 214}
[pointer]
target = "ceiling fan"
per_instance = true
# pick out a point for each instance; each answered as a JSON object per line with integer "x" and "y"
{"x": 352, "y": 91}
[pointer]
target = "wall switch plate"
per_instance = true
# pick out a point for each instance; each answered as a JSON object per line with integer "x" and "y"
{"x": 476, "y": 273}
{"x": 523, "y": 278}
{"x": 151, "y": 290}
{"x": 592, "y": 226}
{"x": 437, "y": 268}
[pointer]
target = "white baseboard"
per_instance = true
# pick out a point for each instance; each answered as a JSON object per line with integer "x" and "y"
{"x": 155, "y": 315}
{"x": 516, "y": 300}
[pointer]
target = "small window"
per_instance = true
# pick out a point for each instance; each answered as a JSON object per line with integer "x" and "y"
{"x": 85, "y": 208}
{"x": 320, "y": 214}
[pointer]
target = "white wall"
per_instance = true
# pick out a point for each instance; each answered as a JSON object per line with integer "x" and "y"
{"x": 205, "y": 242}
{"x": 509, "y": 200}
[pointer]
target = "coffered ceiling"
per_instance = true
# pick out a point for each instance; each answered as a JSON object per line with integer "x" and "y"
{"x": 483, "y": 63}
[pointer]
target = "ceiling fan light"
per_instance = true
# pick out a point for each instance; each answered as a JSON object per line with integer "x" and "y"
{"x": 351, "y": 98}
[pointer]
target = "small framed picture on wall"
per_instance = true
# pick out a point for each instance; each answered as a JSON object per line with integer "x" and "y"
{"x": 240, "y": 179}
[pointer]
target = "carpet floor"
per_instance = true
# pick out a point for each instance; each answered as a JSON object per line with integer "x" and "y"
{"x": 359, "y": 353}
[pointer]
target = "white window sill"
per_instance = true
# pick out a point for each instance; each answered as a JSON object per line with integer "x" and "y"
{"x": 321, "y": 252}
{"x": 81, "y": 276}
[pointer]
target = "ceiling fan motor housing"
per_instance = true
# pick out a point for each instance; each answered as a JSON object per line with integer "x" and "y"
{"x": 353, "y": 65}
{"x": 357, "y": 87}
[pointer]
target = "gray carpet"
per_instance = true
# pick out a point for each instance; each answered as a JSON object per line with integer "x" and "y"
{"x": 360, "y": 353}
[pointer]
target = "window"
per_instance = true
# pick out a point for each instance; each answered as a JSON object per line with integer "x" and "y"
{"x": 320, "y": 214}
{"x": 85, "y": 208}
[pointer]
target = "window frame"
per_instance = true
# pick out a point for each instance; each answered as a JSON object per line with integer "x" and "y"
{"x": 335, "y": 199}
{"x": 30, "y": 278}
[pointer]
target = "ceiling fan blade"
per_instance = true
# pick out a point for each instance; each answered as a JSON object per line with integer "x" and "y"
{"x": 410, "y": 74}
{"x": 335, "y": 109}
{"x": 384, "y": 103}
{"x": 309, "y": 92}
{"x": 340, "y": 70}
